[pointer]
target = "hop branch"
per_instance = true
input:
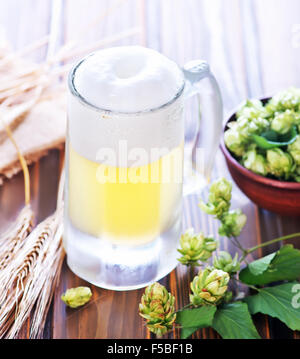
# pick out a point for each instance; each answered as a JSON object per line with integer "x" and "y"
{"x": 219, "y": 202}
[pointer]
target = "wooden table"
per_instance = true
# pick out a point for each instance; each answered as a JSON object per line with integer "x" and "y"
{"x": 253, "y": 47}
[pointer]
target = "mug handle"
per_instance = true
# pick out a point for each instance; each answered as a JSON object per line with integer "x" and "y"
{"x": 200, "y": 81}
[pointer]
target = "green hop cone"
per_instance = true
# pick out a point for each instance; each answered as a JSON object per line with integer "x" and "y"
{"x": 195, "y": 247}
{"x": 235, "y": 142}
{"x": 284, "y": 100}
{"x": 220, "y": 189}
{"x": 283, "y": 122}
{"x": 219, "y": 198}
{"x": 255, "y": 162}
{"x": 256, "y": 126}
{"x": 252, "y": 109}
{"x": 280, "y": 163}
{"x": 77, "y": 297}
{"x": 296, "y": 174}
{"x": 157, "y": 307}
{"x": 239, "y": 133}
{"x": 294, "y": 150}
{"x": 209, "y": 287}
{"x": 226, "y": 263}
{"x": 232, "y": 223}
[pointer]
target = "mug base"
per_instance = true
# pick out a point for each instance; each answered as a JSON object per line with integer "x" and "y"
{"x": 119, "y": 267}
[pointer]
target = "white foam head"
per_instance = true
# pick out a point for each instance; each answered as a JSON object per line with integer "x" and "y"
{"x": 128, "y": 79}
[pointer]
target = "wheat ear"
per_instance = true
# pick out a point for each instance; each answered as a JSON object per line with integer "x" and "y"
{"x": 13, "y": 239}
{"x": 31, "y": 278}
{"x": 27, "y": 275}
{"x": 52, "y": 277}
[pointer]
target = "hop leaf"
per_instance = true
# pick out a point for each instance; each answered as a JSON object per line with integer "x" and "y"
{"x": 195, "y": 248}
{"x": 219, "y": 198}
{"x": 232, "y": 223}
{"x": 209, "y": 287}
{"x": 157, "y": 307}
{"x": 77, "y": 297}
{"x": 226, "y": 263}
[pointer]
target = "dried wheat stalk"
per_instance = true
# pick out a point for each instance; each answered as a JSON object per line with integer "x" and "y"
{"x": 52, "y": 278}
{"x": 13, "y": 239}
{"x": 30, "y": 263}
{"x": 45, "y": 296}
{"x": 12, "y": 242}
{"x": 31, "y": 276}
{"x": 25, "y": 275}
{"x": 30, "y": 272}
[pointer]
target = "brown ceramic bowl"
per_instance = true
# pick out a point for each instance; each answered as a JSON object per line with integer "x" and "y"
{"x": 274, "y": 195}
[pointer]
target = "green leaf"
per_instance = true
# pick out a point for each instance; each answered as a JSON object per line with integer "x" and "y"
{"x": 233, "y": 321}
{"x": 187, "y": 332}
{"x": 261, "y": 265}
{"x": 285, "y": 265}
{"x": 194, "y": 319}
{"x": 278, "y": 303}
{"x": 269, "y": 139}
{"x": 270, "y": 135}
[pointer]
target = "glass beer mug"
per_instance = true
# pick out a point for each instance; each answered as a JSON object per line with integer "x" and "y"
{"x": 126, "y": 175}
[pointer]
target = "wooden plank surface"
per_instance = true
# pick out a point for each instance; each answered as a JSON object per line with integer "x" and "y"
{"x": 252, "y": 48}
